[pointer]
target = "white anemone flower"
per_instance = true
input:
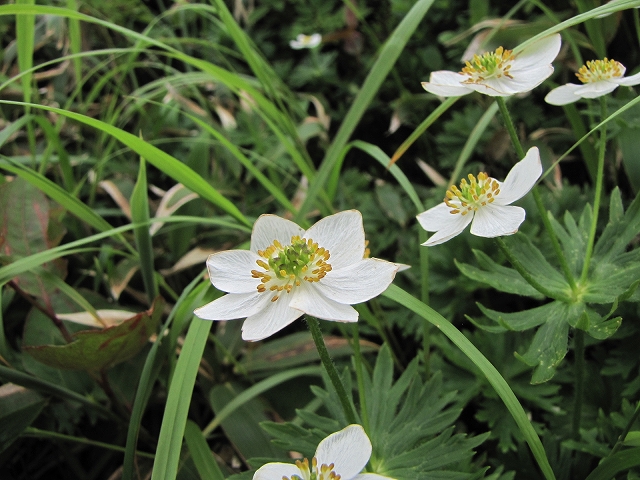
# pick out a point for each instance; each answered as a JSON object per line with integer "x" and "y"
{"x": 499, "y": 74}
{"x": 306, "y": 41}
{"x": 342, "y": 455}
{"x": 484, "y": 203}
{"x": 289, "y": 271}
{"x": 598, "y": 78}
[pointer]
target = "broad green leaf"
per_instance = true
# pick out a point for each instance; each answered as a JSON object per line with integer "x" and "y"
{"x": 29, "y": 226}
{"x": 242, "y": 426}
{"x": 616, "y": 463}
{"x": 525, "y": 319}
{"x": 95, "y": 350}
{"x": 19, "y": 407}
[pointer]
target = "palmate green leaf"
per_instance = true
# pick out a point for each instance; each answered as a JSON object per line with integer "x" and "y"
{"x": 95, "y": 350}
{"x": 410, "y": 425}
{"x": 503, "y": 279}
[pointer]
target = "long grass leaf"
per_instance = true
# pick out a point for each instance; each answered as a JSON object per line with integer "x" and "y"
{"x": 385, "y": 62}
{"x": 492, "y": 375}
{"x": 161, "y": 160}
{"x": 205, "y": 463}
{"x": 150, "y": 371}
{"x": 174, "y": 419}
{"x": 140, "y": 215}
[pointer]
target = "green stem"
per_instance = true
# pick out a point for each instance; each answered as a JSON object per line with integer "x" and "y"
{"x": 626, "y": 430}
{"x": 364, "y": 414}
{"x": 525, "y": 274}
{"x": 536, "y": 195}
{"x": 578, "y": 351}
{"x": 314, "y": 328}
{"x": 598, "y": 193}
{"x": 424, "y": 297}
{"x": 36, "y": 432}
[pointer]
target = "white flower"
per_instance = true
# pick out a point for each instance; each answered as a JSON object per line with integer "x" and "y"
{"x": 599, "y": 77}
{"x": 499, "y": 74}
{"x": 288, "y": 272}
{"x": 306, "y": 41}
{"x": 483, "y": 202}
{"x": 341, "y": 455}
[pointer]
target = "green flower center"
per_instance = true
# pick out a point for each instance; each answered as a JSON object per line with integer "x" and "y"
{"x": 285, "y": 267}
{"x": 488, "y": 65}
{"x": 596, "y": 70}
{"x": 473, "y": 194}
{"x": 325, "y": 472}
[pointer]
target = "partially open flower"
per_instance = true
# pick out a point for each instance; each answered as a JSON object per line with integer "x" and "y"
{"x": 483, "y": 202}
{"x": 340, "y": 456}
{"x": 288, "y": 272}
{"x": 499, "y": 74}
{"x": 598, "y": 78}
{"x": 306, "y": 41}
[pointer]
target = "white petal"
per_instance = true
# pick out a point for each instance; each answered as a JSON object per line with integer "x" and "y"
{"x": 522, "y": 81}
{"x": 230, "y": 271}
{"x": 349, "y": 450}
{"x": 275, "y": 471}
{"x": 496, "y": 220}
{"x": 596, "y": 89}
{"x": 436, "y": 218}
{"x": 309, "y": 300}
{"x": 453, "y": 230}
{"x": 232, "y": 306}
{"x": 358, "y": 282}
{"x": 271, "y": 227}
{"x": 446, "y": 224}
{"x": 563, "y": 95}
{"x": 522, "y": 177}
{"x": 492, "y": 88}
{"x": 446, "y": 84}
{"x": 342, "y": 234}
{"x": 628, "y": 81}
{"x": 273, "y": 318}
{"x": 539, "y": 53}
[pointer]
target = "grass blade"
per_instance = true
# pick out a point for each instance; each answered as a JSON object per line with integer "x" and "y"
{"x": 205, "y": 463}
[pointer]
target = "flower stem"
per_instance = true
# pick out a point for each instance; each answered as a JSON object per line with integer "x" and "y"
{"x": 598, "y": 192}
{"x": 578, "y": 352}
{"x": 314, "y": 328}
{"x": 364, "y": 414}
{"x": 424, "y": 297}
{"x": 536, "y": 196}
{"x": 525, "y": 274}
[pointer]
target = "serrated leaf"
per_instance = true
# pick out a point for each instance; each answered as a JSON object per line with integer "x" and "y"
{"x": 95, "y": 350}
{"x": 549, "y": 345}
{"x": 536, "y": 264}
{"x": 618, "y": 232}
{"x": 525, "y": 319}
{"x": 501, "y": 278}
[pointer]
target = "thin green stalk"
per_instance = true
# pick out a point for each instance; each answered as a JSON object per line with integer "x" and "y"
{"x": 525, "y": 274}
{"x": 536, "y": 195}
{"x": 36, "y": 432}
{"x": 598, "y": 193}
{"x": 578, "y": 352}
{"x": 626, "y": 430}
{"x": 364, "y": 414}
{"x": 314, "y": 328}
{"x": 424, "y": 297}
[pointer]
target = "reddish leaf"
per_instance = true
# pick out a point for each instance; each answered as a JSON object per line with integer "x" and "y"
{"x": 95, "y": 350}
